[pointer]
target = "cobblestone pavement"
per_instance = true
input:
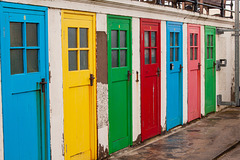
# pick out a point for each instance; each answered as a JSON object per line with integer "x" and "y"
{"x": 203, "y": 139}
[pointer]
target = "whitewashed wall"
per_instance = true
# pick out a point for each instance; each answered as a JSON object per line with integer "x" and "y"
{"x": 137, "y": 10}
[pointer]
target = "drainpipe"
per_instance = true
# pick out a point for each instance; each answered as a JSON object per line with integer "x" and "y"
{"x": 237, "y": 52}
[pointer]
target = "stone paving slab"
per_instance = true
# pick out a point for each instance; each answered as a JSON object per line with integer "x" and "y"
{"x": 201, "y": 140}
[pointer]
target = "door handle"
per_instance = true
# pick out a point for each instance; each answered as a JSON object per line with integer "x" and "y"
{"x": 171, "y": 66}
{"x": 43, "y": 83}
{"x": 199, "y": 66}
{"x": 158, "y": 71}
{"x": 181, "y": 68}
{"x": 91, "y": 79}
{"x": 214, "y": 64}
{"x": 129, "y": 74}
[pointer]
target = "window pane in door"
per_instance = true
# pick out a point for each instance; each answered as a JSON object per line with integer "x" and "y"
{"x": 171, "y": 54}
{"x": 153, "y": 39}
{"x": 171, "y": 38}
{"x": 32, "y": 60}
{"x": 72, "y": 60}
{"x": 114, "y": 38}
{"x": 16, "y": 34}
{"x": 191, "y": 39}
{"x": 176, "y": 39}
{"x": 208, "y": 38}
{"x": 83, "y": 60}
{"x": 211, "y": 40}
{"x": 123, "y": 55}
{"x": 153, "y": 55}
{"x": 191, "y": 53}
{"x": 195, "y": 39}
{"x": 72, "y": 37}
{"x": 16, "y": 58}
{"x": 195, "y": 53}
{"x": 176, "y": 54}
{"x": 122, "y": 38}
{"x": 146, "y": 55}
{"x": 146, "y": 39}
{"x": 32, "y": 36}
{"x": 211, "y": 51}
{"x": 207, "y": 53}
{"x": 83, "y": 37}
{"x": 114, "y": 58}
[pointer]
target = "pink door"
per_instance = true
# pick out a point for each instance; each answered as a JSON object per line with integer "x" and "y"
{"x": 194, "y": 68}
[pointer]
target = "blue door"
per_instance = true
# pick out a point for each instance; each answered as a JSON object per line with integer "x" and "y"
{"x": 24, "y": 82}
{"x": 174, "y": 74}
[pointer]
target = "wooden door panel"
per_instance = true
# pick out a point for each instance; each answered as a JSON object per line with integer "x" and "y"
{"x": 78, "y": 94}
{"x": 119, "y": 82}
{"x": 194, "y": 70}
{"x": 150, "y": 78}
{"x": 174, "y": 74}
{"x": 210, "y": 70}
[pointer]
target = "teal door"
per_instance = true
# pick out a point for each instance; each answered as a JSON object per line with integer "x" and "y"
{"x": 119, "y": 82}
{"x": 24, "y": 82}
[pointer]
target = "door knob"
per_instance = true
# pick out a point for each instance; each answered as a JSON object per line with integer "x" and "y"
{"x": 199, "y": 65}
{"x": 158, "y": 71}
{"x": 129, "y": 74}
{"x": 171, "y": 66}
{"x": 181, "y": 68}
{"x": 91, "y": 79}
{"x": 43, "y": 83}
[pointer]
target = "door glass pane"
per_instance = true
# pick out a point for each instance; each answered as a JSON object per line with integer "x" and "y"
{"x": 191, "y": 39}
{"x": 123, "y": 55}
{"x": 114, "y": 58}
{"x": 211, "y": 51}
{"x": 16, "y": 34}
{"x": 83, "y": 37}
{"x": 16, "y": 57}
{"x": 195, "y": 53}
{"x": 171, "y": 38}
{"x": 171, "y": 54}
{"x": 195, "y": 39}
{"x": 72, "y": 60}
{"x": 114, "y": 38}
{"x": 153, "y": 39}
{"x": 32, "y": 34}
{"x": 122, "y": 38}
{"x": 32, "y": 60}
{"x": 191, "y": 53}
{"x": 153, "y": 56}
{"x": 207, "y": 53}
{"x": 147, "y": 59}
{"x": 176, "y": 54}
{"x": 211, "y": 40}
{"x": 146, "y": 39}
{"x": 83, "y": 60}
{"x": 72, "y": 37}
{"x": 176, "y": 39}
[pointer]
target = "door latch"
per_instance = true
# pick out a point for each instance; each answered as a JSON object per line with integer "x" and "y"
{"x": 91, "y": 79}
{"x": 129, "y": 74}
{"x": 181, "y": 68}
{"x": 158, "y": 71}
{"x": 199, "y": 66}
{"x": 171, "y": 66}
{"x": 43, "y": 83}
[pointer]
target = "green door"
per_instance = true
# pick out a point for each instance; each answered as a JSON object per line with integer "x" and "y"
{"x": 119, "y": 82}
{"x": 210, "y": 70}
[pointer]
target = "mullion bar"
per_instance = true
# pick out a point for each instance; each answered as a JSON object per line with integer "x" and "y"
{"x": 118, "y": 43}
{"x": 24, "y": 48}
{"x": 78, "y": 50}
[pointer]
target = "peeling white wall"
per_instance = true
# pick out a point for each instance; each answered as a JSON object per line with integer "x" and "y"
{"x": 56, "y": 83}
{"x": 163, "y": 75}
{"x": 202, "y": 70}
{"x": 185, "y": 73}
{"x": 136, "y": 89}
{"x": 102, "y": 95}
{"x": 225, "y": 77}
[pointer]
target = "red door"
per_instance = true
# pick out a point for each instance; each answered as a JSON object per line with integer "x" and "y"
{"x": 194, "y": 68}
{"x": 150, "y": 78}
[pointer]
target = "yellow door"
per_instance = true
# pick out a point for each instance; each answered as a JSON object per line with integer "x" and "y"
{"x": 79, "y": 85}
